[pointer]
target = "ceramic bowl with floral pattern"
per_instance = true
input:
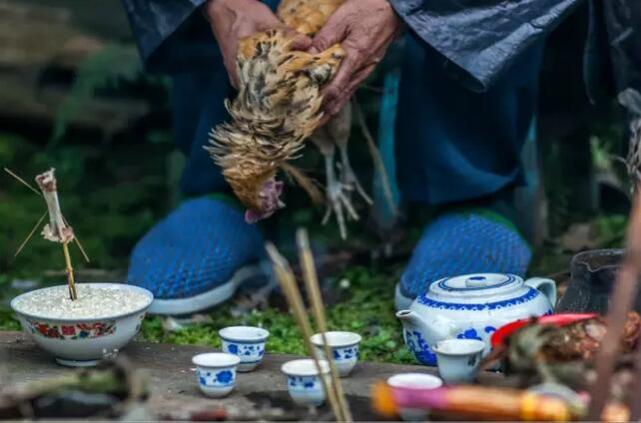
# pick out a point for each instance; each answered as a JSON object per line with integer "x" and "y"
{"x": 104, "y": 318}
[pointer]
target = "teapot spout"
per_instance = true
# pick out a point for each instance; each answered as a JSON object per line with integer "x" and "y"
{"x": 436, "y": 330}
{"x": 412, "y": 321}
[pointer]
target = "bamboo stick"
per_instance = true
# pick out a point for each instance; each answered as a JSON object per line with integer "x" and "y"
{"x": 292, "y": 294}
{"x": 70, "y": 278}
{"x": 623, "y": 296}
{"x": 33, "y": 231}
{"x": 313, "y": 291}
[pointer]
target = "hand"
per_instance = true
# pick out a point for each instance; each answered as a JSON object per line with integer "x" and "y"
{"x": 365, "y": 29}
{"x": 232, "y": 20}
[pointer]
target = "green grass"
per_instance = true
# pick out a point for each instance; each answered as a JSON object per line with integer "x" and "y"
{"x": 367, "y": 308}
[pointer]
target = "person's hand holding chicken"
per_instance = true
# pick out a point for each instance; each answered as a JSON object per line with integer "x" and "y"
{"x": 281, "y": 91}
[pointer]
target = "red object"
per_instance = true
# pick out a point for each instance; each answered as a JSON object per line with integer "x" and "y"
{"x": 68, "y": 330}
{"x": 552, "y": 319}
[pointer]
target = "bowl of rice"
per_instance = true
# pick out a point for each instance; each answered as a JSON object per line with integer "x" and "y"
{"x": 104, "y": 318}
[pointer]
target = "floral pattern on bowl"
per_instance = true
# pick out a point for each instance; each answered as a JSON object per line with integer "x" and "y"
{"x": 70, "y": 331}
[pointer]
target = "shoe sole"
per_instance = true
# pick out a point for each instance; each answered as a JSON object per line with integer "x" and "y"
{"x": 207, "y": 299}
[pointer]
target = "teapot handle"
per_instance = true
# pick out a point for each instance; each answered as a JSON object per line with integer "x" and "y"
{"x": 546, "y": 286}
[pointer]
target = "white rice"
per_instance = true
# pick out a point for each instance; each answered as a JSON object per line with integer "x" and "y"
{"x": 93, "y": 302}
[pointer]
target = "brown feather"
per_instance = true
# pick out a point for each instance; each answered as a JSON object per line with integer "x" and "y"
{"x": 278, "y": 106}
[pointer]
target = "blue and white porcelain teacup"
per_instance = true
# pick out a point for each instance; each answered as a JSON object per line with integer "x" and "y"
{"x": 216, "y": 373}
{"x": 247, "y": 342}
{"x": 458, "y": 359}
{"x": 304, "y": 383}
{"x": 344, "y": 346}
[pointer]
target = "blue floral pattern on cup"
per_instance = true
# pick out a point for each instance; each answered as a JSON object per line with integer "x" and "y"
{"x": 216, "y": 378}
{"x": 244, "y": 350}
{"x": 347, "y": 353}
{"x": 251, "y": 354}
{"x": 304, "y": 382}
{"x": 306, "y": 390}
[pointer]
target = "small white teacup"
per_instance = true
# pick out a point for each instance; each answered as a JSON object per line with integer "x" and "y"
{"x": 344, "y": 346}
{"x": 247, "y": 342}
{"x": 420, "y": 381}
{"x": 216, "y": 373}
{"x": 459, "y": 359}
{"x": 303, "y": 381}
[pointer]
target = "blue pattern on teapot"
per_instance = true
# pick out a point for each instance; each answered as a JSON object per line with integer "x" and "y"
{"x": 472, "y": 307}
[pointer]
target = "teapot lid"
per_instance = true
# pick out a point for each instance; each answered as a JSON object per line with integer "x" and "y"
{"x": 478, "y": 285}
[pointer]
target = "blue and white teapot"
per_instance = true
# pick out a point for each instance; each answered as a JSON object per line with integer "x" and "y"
{"x": 472, "y": 307}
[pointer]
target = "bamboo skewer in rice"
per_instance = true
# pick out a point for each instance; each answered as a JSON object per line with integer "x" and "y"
{"x": 287, "y": 281}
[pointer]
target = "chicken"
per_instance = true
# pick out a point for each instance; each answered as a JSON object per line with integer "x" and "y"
{"x": 544, "y": 353}
{"x": 277, "y": 108}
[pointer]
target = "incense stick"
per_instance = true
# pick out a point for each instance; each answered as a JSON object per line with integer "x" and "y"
{"x": 292, "y": 294}
{"x": 625, "y": 289}
{"x": 313, "y": 291}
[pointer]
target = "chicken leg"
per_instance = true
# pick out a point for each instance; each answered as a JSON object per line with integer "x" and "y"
{"x": 335, "y": 133}
{"x": 343, "y": 123}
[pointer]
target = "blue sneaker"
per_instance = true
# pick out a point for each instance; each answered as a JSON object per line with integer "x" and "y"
{"x": 196, "y": 257}
{"x": 459, "y": 244}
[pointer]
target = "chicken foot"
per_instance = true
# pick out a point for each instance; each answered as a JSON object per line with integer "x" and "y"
{"x": 335, "y": 133}
{"x": 347, "y": 175}
{"x": 340, "y": 127}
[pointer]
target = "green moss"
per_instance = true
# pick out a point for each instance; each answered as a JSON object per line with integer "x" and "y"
{"x": 367, "y": 308}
